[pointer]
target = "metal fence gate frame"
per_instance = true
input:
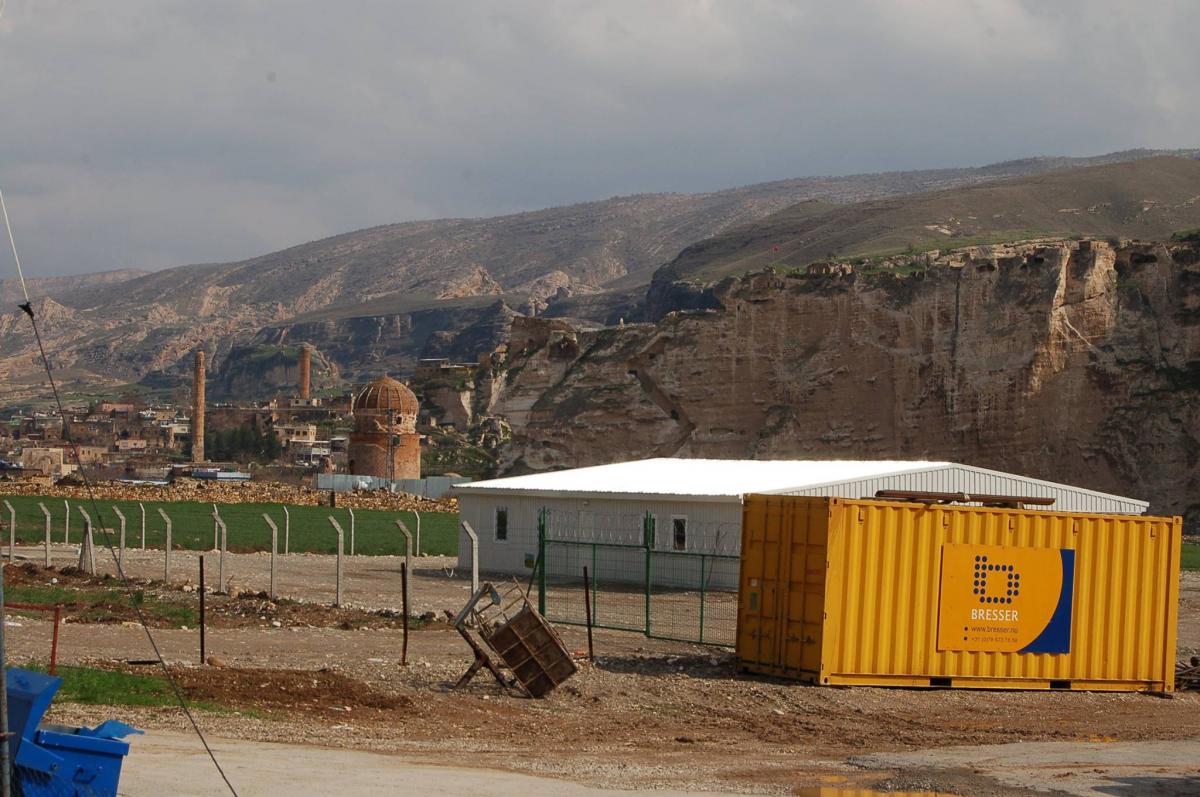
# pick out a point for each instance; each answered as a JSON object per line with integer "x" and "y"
{"x": 663, "y": 594}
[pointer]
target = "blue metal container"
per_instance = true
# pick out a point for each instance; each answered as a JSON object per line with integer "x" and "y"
{"x": 55, "y": 760}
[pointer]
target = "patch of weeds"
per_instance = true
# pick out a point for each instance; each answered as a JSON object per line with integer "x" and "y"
{"x": 1190, "y": 558}
{"x": 102, "y": 605}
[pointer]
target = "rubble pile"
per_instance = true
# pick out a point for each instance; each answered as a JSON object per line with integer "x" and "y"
{"x": 252, "y": 492}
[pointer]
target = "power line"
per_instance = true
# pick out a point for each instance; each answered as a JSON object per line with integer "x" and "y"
{"x": 27, "y": 307}
{"x": 12, "y": 243}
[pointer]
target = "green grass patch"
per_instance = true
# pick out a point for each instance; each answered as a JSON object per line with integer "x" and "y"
{"x": 95, "y": 687}
{"x": 109, "y": 688}
{"x": 192, "y": 526}
{"x": 1190, "y": 559}
{"x": 101, "y": 605}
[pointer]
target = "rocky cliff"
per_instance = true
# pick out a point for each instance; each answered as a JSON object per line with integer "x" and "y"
{"x": 263, "y": 371}
{"x": 1077, "y": 361}
{"x": 590, "y": 260}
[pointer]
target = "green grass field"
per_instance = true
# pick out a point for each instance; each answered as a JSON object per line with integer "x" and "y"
{"x": 192, "y": 526}
{"x": 107, "y": 688}
{"x": 1190, "y": 560}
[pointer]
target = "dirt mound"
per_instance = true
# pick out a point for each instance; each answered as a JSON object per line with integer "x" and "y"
{"x": 321, "y": 692}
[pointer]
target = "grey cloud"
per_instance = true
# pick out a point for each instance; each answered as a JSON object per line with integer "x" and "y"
{"x": 150, "y": 134}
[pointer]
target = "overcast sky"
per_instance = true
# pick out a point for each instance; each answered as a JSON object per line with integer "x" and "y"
{"x": 152, "y": 134}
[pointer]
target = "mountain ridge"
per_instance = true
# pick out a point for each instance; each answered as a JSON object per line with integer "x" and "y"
{"x": 594, "y": 260}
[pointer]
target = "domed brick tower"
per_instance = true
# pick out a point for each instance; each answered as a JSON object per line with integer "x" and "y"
{"x": 385, "y": 442}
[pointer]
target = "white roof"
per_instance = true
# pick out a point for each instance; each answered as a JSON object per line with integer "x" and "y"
{"x": 731, "y": 478}
{"x": 724, "y": 480}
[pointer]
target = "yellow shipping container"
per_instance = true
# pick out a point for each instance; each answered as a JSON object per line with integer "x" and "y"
{"x": 837, "y": 591}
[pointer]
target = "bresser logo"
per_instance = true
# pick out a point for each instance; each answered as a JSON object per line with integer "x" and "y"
{"x": 1006, "y": 599}
{"x": 990, "y": 572}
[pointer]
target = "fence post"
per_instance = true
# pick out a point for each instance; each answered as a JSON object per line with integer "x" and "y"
{"x": 404, "y": 618}
{"x": 340, "y": 536}
{"x": 474, "y": 555}
{"x": 202, "y": 617}
{"x": 408, "y": 548}
{"x": 221, "y": 586}
{"x": 417, "y": 515}
{"x": 541, "y": 561}
{"x": 87, "y": 550}
{"x": 587, "y": 608}
{"x": 120, "y": 542}
{"x": 46, "y": 512}
{"x": 67, "y": 524}
{"x": 287, "y": 530}
{"x": 702, "y": 580}
{"x": 648, "y": 537}
{"x": 351, "y": 511}
{"x": 12, "y": 530}
{"x": 54, "y": 640}
{"x": 167, "y": 558}
{"x": 217, "y": 546}
{"x": 91, "y": 545}
{"x": 142, "y": 507}
{"x": 274, "y": 546}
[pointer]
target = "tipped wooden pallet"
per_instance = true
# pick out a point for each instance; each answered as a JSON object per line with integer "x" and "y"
{"x": 519, "y": 636}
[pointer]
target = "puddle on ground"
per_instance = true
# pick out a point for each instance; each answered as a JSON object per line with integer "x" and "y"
{"x": 835, "y": 791}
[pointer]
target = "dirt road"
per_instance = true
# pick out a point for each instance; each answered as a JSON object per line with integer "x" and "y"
{"x": 1098, "y": 769}
{"x": 172, "y": 763}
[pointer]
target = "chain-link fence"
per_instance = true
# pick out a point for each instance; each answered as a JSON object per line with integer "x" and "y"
{"x": 634, "y": 585}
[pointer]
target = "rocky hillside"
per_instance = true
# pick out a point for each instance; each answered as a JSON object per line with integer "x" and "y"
{"x": 1069, "y": 360}
{"x": 1148, "y": 198}
{"x": 10, "y": 289}
{"x": 593, "y": 259}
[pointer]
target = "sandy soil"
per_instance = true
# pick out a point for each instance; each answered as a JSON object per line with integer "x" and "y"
{"x": 175, "y": 764}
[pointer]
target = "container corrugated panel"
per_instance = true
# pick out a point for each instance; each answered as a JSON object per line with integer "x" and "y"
{"x": 874, "y": 592}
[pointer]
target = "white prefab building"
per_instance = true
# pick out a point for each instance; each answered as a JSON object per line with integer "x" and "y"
{"x": 695, "y": 505}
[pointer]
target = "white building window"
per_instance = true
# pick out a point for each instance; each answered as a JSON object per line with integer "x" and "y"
{"x": 679, "y": 533}
{"x": 501, "y": 524}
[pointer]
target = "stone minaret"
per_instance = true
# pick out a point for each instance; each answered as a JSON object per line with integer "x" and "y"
{"x": 305, "y": 369}
{"x": 198, "y": 410}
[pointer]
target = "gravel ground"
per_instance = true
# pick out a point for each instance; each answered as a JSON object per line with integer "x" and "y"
{"x": 649, "y": 714}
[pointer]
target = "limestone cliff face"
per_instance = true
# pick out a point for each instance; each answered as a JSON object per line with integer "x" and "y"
{"x": 366, "y": 345}
{"x": 1075, "y": 361}
{"x": 260, "y": 372}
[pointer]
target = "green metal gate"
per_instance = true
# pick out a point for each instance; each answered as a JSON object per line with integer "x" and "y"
{"x": 683, "y": 595}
